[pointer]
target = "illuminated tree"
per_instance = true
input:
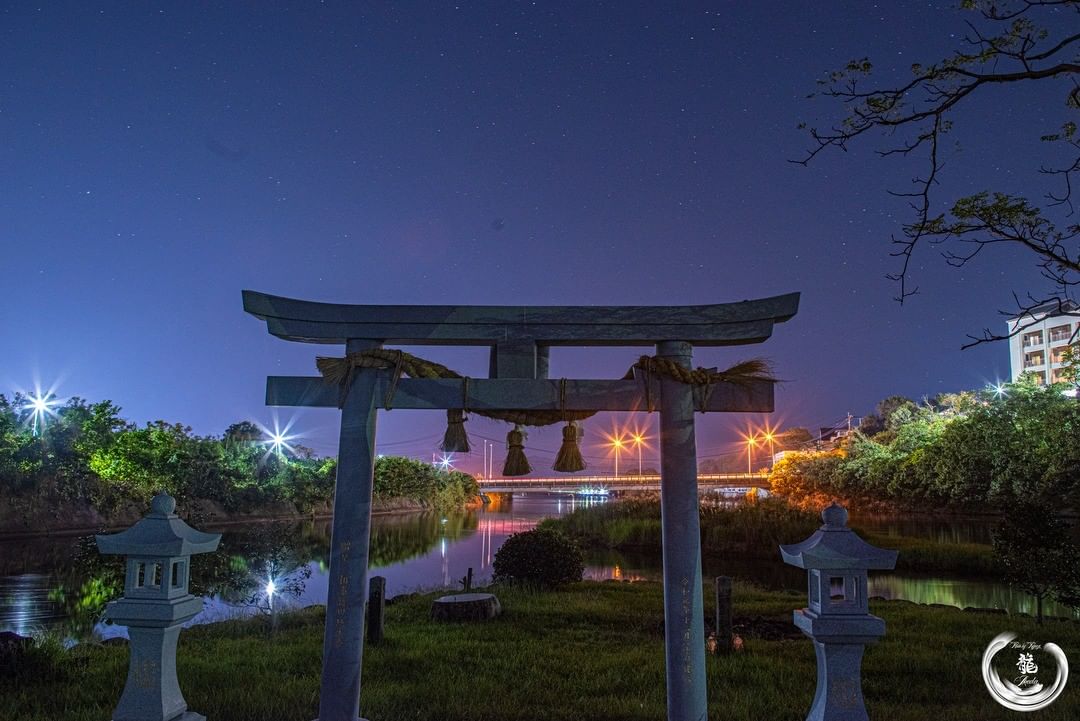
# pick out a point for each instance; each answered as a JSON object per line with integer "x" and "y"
{"x": 880, "y": 419}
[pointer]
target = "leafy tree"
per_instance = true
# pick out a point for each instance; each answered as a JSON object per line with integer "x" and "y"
{"x": 311, "y": 483}
{"x": 1009, "y": 45}
{"x": 540, "y": 557}
{"x": 955, "y": 404}
{"x": 807, "y": 479}
{"x": 87, "y": 453}
{"x": 243, "y": 432}
{"x": 793, "y": 438}
{"x": 1037, "y": 555}
{"x": 21, "y": 459}
{"x": 880, "y": 419}
{"x": 1070, "y": 372}
{"x": 960, "y": 451}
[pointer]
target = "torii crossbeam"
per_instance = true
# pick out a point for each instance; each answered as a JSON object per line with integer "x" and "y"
{"x": 520, "y": 339}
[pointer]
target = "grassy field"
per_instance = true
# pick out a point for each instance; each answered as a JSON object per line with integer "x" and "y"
{"x": 754, "y": 531}
{"x": 593, "y": 651}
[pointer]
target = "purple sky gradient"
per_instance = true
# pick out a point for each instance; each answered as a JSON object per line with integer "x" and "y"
{"x": 159, "y": 158}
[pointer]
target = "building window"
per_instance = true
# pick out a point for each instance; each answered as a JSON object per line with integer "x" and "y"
{"x": 1040, "y": 377}
{"x": 1060, "y": 334}
{"x": 1033, "y": 338}
{"x": 1033, "y": 359}
{"x": 1058, "y": 354}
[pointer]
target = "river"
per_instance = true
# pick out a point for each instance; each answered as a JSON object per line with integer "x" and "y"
{"x": 59, "y": 582}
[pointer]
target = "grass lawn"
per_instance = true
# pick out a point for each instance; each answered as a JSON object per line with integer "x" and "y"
{"x": 593, "y": 651}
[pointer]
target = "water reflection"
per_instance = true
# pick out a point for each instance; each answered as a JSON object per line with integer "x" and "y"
{"x": 63, "y": 583}
{"x": 973, "y": 529}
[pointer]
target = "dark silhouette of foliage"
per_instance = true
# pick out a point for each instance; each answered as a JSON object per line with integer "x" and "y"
{"x": 879, "y": 420}
{"x": 1038, "y": 556}
{"x": 540, "y": 557}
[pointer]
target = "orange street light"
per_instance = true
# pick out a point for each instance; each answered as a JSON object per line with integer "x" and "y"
{"x": 639, "y": 441}
{"x": 751, "y": 441}
{"x": 617, "y": 443}
{"x": 772, "y": 452}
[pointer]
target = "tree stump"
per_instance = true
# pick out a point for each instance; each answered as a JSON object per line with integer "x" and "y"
{"x": 466, "y": 607}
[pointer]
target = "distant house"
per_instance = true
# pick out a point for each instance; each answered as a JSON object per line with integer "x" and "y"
{"x": 832, "y": 436}
{"x": 1039, "y": 339}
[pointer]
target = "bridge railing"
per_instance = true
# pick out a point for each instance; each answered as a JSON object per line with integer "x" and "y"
{"x": 608, "y": 480}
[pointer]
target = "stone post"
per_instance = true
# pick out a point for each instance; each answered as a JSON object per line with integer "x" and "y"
{"x": 723, "y": 614}
{"x": 155, "y": 605}
{"x": 376, "y": 609}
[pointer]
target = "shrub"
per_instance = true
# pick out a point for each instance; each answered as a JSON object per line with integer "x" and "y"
{"x": 540, "y": 557}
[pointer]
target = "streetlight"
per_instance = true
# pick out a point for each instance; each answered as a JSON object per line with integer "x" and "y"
{"x": 617, "y": 443}
{"x": 751, "y": 441}
{"x": 40, "y": 407}
{"x": 639, "y": 441}
{"x": 279, "y": 442}
{"x": 772, "y": 453}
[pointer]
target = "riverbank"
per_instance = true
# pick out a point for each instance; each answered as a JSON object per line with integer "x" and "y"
{"x": 754, "y": 531}
{"x": 24, "y": 519}
{"x": 594, "y": 650}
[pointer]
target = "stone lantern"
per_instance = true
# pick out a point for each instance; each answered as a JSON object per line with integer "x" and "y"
{"x": 155, "y": 604}
{"x": 838, "y": 619}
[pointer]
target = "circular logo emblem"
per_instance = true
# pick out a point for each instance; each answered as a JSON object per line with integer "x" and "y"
{"x": 1018, "y": 673}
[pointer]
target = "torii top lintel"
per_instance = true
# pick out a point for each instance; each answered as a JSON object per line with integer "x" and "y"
{"x": 519, "y": 338}
{"x": 748, "y": 321}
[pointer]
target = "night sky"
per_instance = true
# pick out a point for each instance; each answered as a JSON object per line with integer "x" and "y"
{"x": 157, "y": 159}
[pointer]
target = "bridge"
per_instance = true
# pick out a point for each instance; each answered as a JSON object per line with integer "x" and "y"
{"x": 570, "y": 484}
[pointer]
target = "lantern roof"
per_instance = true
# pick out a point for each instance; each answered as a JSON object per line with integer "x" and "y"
{"x": 161, "y": 533}
{"x": 834, "y": 546}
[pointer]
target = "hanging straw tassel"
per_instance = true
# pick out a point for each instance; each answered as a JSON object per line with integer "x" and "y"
{"x": 569, "y": 459}
{"x": 516, "y": 463}
{"x": 455, "y": 440}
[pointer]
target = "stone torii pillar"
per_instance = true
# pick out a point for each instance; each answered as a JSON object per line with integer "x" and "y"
{"x": 343, "y": 639}
{"x": 520, "y": 339}
{"x": 684, "y": 611}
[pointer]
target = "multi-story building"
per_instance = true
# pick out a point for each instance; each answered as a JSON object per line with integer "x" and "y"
{"x": 1044, "y": 334}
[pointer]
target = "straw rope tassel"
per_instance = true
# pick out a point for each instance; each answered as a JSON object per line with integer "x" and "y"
{"x": 455, "y": 440}
{"x": 569, "y": 458}
{"x": 516, "y": 463}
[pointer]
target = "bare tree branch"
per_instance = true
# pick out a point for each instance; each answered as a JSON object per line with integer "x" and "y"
{"x": 1005, "y": 49}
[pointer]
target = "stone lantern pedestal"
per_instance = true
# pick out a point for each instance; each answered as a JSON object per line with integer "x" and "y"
{"x": 837, "y": 619}
{"x": 156, "y": 603}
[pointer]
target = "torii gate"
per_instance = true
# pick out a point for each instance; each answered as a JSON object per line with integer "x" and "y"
{"x": 520, "y": 338}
